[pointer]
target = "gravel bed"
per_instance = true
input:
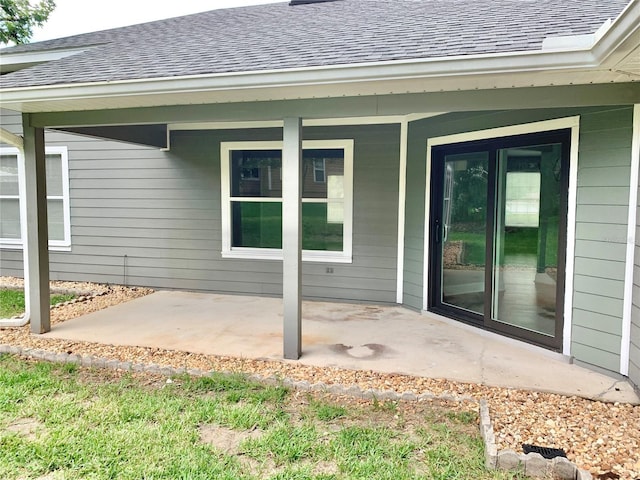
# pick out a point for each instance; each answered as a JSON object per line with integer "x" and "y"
{"x": 603, "y": 438}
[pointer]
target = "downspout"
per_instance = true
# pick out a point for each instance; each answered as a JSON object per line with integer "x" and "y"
{"x": 17, "y": 142}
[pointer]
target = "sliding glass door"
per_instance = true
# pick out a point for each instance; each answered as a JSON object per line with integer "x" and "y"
{"x": 498, "y": 223}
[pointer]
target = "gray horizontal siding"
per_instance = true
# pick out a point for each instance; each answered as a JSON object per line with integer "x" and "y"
{"x": 634, "y": 347}
{"x": 10, "y": 263}
{"x": 11, "y": 121}
{"x": 634, "y": 351}
{"x": 602, "y": 211}
{"x": 152, "y": 218}
{"x": 603, "y": 184}
{"x": 597, "y": 356}
{"x": 598, "y": 286}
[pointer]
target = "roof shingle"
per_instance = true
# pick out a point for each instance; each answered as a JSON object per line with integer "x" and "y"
{"x": 280, "y": 36}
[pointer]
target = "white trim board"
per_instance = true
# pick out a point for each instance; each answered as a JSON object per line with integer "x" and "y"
{"x": 573, "y": 123}
{"x": 625, "y": 342}
{"x": 402, "y": 199}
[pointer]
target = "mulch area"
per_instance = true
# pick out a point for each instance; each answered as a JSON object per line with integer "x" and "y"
{"x": 603, "y": 438}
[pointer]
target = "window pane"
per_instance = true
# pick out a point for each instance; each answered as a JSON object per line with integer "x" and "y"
{"x": 54, "y": 174}
{"x": 257, "y": 224}
{"x": 322, "y": 169}
{"x": 9, "y": 218}
{"x": 318, "y": 231}
{"x": 526, "y": 240}
{"x": 256, "y": 173}
{"x": 464, "y": 217}
{"x": 8, "y": 175}
{"x": 55, "y": 214}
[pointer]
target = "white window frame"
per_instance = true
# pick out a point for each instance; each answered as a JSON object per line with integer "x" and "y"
{"x": 59, "y": 245}
{"x": 344, "y": 256}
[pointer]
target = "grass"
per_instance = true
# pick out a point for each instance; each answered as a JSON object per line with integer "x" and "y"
{"x": 518, "y": 242}
{"x": 63, "y": 421}
{"x": 12, "y": 302}
{"x": 260, "y": 226}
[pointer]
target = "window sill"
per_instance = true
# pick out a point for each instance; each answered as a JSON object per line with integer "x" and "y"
{"x": 276, "y": 254}
{"x": 52, "y": 248}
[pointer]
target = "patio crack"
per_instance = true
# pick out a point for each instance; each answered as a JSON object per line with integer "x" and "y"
{"x": 482, "y": 363}
{"x": 613, "y": 386}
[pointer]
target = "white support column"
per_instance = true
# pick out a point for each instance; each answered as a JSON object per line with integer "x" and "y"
{"x": 292, "y": 237}
{"x": 36, "y": 244}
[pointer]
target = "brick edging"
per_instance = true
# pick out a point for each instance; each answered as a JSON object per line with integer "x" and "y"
{"x": 532, "y": 464}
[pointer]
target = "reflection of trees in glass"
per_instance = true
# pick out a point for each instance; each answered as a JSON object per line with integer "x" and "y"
{"x": 470, "y": 193}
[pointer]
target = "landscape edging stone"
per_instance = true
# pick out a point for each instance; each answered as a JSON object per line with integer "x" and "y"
{"x": 533, "y": 464}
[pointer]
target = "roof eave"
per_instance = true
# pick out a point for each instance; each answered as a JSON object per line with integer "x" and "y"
{"x": 469, "y": 72}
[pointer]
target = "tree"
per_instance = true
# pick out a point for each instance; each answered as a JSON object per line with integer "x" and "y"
{"x": 18, "y": 17}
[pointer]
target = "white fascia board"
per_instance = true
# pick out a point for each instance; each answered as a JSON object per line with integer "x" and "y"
{"x": 10, "y": 62}
{"x": 610, "y": 46}
{"x": 399, "y": 70}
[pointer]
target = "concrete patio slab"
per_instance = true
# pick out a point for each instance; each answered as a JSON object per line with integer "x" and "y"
{"x": 370, "y": 337}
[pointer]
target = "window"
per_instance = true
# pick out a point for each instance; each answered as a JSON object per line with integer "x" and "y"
{"x": 251, "y": 175}
{"x": 57, "y": 198}
{"x": 318, "y": 170}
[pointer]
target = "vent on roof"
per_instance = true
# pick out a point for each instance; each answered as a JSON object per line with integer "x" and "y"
{"x": 304, "y": 2}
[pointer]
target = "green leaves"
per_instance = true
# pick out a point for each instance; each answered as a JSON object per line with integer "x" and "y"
{"x": 18, "y": 17}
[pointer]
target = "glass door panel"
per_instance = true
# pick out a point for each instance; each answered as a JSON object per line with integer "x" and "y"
{"x": 463, "y": 230}
{"x": 498, "y": 234}
{"x": 525, "y": 244}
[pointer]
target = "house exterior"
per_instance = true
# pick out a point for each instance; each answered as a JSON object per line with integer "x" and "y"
{"x": 471, "y": 160}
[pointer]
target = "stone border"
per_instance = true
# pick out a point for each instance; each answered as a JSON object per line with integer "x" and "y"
{"x": 303, "y": 385}
{"x": 81, "y": 298}
{"x": 532, "y": 464}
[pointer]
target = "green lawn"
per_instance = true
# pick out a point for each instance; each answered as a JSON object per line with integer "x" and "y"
{"x": 68, "y": 422}
{"x": 260, "y": 226}
{"x": 12, "y": 302}
{"x": 518, "y": 241}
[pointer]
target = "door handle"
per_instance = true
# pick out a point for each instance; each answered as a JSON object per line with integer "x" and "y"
{"x": 437, "y": 232}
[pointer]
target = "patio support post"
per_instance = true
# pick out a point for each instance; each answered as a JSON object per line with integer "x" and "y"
{"x": 36, "y": 245}
{"x": 292, "y": 237}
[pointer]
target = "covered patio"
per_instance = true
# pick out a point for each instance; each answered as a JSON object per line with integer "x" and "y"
{"x": 388, "y": 339}
{"x": 157, "y": 196}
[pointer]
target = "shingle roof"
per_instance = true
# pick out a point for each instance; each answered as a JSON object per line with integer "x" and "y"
{"x": 280, "y": 36}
